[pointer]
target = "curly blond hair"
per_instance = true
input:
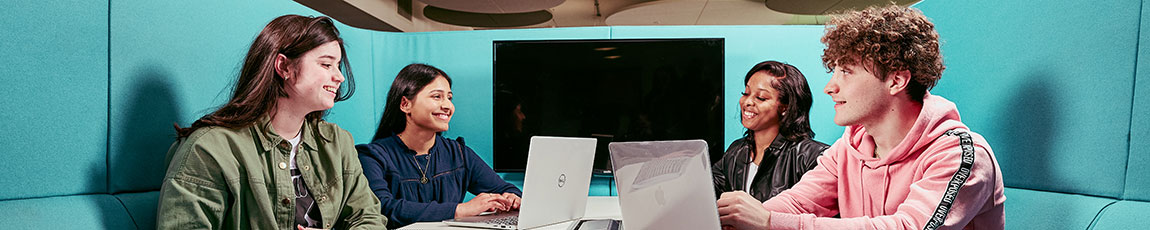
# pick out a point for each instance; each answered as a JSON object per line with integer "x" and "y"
{"x": 886, "y": 39}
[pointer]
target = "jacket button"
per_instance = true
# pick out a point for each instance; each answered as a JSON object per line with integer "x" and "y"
{"x": 283, "y": 165}
{"x": 285, "y": 201}
{"x": 305, "y": 168}
{"x": 321, "y": 198}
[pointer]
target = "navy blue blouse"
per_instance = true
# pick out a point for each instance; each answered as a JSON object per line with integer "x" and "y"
{"x": 452, "y": 169}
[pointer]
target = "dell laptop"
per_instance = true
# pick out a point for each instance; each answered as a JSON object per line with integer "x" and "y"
{"x": 555, "y": 186}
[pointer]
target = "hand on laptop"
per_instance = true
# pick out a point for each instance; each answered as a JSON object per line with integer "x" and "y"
{"x": 739, "y": 210}
{"x": 514, "y": 200}
{"x": 482, "y": 203}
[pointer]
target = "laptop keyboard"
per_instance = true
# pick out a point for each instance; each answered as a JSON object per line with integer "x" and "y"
{"x": 507, "y": 220}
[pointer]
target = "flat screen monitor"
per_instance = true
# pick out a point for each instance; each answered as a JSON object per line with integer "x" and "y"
{"x": 613, "y": 90}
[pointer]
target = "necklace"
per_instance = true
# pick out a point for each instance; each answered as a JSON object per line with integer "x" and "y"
{"x": 422, "y": 170}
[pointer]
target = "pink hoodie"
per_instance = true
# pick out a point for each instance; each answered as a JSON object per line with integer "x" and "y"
{"x": 913, "y": 187}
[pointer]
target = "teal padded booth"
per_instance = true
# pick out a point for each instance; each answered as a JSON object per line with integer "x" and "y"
{"x": 1132, "y": 212}
{"x": 55, "y": 121}
{"x": 1051, "y": 86}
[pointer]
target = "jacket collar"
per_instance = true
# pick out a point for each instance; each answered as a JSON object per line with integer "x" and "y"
{"x": 776, "y": 147}
{"x": 268, "y": 139}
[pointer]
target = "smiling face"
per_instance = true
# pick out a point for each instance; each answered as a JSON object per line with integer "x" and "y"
{"x": 313, "y": 79}
{"x": 860, "y": 97}
{"x": 760, "y": 103}
{"x": 430, "y": 109}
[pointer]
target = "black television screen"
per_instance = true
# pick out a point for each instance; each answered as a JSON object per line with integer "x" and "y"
{"x": 612, "y": 90}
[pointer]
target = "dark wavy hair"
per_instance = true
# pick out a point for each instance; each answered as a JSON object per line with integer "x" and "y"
{"x": 411, "y": 79}
{"x": 258, "y": 85}
{"x": 886, "y": 39}
{"x": 794, "y": 93}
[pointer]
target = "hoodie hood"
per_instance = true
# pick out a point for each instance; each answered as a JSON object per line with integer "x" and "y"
{"x": 937, "y": 116}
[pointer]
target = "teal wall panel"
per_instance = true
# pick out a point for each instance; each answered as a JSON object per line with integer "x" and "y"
{"x": 55, "y": 56}
{"x": 356, "y": 114}
{"x": 1047, "y": 84}
{"x": 1138, "y": 169}
{"x": 749, "y": 45}
{"x": 185, "y": 68}
{"x": 390, "y": 53}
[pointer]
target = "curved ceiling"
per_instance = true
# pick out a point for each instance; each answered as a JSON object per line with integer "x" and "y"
{"x": 432, "y": 15}
{"x": 738, "y": 12}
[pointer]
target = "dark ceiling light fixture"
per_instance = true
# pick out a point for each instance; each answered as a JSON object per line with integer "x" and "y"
{"x": 461, "y": 18}
{"x": 495, "y": 6}
{"x": 820, "y": 7}
{"x": 597, "y": 14}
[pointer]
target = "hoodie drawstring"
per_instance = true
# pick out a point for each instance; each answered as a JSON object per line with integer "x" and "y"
{"x": 886, "y": 188}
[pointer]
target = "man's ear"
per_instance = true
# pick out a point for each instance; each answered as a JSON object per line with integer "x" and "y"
{"x": 897, "y": 81}
{"x": 282, "y": 66}
{"x": 405, "y": 105}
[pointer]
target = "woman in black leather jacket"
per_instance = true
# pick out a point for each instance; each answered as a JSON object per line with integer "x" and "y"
{"x": 777, "y": 148}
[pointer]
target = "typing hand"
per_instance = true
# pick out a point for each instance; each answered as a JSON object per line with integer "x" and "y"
{"x": 513, "y": 200}
{"x": 481, "y": 203}
{"x": 738, "y": 210}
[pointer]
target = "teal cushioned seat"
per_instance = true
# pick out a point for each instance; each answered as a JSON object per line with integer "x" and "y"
{"x": 1124, "y": 215}
{"x": 141, "y": 207}
{"x": 1030, "y": 209}
{"x": 66, "y": 212}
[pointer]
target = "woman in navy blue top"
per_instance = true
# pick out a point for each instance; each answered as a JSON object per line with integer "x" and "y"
{"x": 419, "y": 175}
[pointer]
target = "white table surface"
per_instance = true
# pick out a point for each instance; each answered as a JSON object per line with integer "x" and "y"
{"x": 598, "y": 207}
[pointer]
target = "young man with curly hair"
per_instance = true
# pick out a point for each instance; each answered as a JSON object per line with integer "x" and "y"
{"x": 905, "y": 161}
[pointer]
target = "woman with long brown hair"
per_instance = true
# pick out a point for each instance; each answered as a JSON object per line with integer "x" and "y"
{"x": 267, "y": 159}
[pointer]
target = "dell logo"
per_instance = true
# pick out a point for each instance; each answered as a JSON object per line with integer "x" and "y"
{"x": 562, "y": 180}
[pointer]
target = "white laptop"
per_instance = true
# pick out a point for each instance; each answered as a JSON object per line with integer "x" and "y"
{"x": 665, "y": 184}
{"x": 555, "y": 186}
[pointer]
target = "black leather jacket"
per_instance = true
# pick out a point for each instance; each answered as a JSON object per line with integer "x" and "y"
{"x": 783, "y": 164}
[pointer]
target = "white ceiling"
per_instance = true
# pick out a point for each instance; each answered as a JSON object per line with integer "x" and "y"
{"x": 437, "y": 15}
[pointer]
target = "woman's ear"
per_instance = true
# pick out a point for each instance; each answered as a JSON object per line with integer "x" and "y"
{"x": 405, "y": 105}
{"x": 282, "y": 65}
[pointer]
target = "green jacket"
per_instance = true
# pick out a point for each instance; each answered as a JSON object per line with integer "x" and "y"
{"x": 221, "y": 178}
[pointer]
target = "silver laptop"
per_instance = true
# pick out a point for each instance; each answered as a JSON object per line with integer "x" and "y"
{"x": 555, "y": 186}
{"x": 665, "y": 184}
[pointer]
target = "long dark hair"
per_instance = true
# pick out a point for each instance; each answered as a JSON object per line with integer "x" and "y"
{"x": 794, "y": 93}
{"x": 258, "y": 85}
{"x": 412, "y": 79}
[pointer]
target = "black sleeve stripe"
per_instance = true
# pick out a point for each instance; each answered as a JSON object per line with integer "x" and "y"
{"x": 956, "y": 182}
